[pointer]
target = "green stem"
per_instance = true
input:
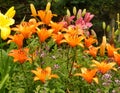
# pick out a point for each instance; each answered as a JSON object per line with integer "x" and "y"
{"x": 26, "y": 85}
{"x": 4, "y": 80}
{"x": 68, "y": 58}
{"x": 73, "y": 60}
{"x": 0, "y": 46}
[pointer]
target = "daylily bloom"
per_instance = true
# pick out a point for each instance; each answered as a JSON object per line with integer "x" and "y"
{"x": 85, "y": 22}
{"x": 27, "y": 28}
{"x": 68, "y": 20}
{"x": 20, "y": 55}
{"x": 58, "y": 37}
{"x": 73, "y": 30}
{"x": 103, "y": 46}
{"x": 117, "y": 58}
{"x": 88, "y": 75}
{"x": 43, "y": 74}
{"x": 45, "y": 16}
{"x": 103, "y": 66}
{"x": 56, "y": 26}
{"x": 5, "y": 22}
{"x": 43, "y": 33}
{"x": 92, "y": 51}
{"x": 18, "y": 39}
{"x": 111, "y": 49}
{"x": 73, "y": 40}
{"x": 89, "y": 41}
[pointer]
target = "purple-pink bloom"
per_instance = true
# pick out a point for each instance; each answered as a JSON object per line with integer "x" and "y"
{"x": 85, "y": 22}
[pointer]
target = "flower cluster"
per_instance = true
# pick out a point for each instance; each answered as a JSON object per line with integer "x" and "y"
{"x": 73, "y": 32}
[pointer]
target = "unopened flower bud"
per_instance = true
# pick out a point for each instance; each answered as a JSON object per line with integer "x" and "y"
{"x": 68, "y": 13}
{"x": 74, "y": 10}
{"x": 104, "y": 25}
{"x": 108, "y": 28}
{"x": 117, "y": 32}
{"x": 33, "y": 10}
{"x": 48, "y": 6}
{"x": 93, "y": 33}
{"x": 83, "y": 12}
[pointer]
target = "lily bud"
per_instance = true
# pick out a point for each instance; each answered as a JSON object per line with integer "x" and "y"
{"x": 74, "y": 10}
{"x": 33, "y": 10}
{"x": 108, "y": 28}
{"x": 68, "y": 13}
{"x": 102, "y": 46}
{"x": 104, "y": 25}
{"x": 83, "y": 12}
{"x": 93, "y": 33}
{"x": 48, "y": 6}
{"x": 117, "y": 32}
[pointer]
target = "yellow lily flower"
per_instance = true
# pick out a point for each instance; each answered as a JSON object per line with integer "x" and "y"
{"x": 10, "y": 13}
{"x": 5, "y": 22}
{"x": 5, "y": 32}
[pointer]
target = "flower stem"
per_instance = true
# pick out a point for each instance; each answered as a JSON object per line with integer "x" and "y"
{"x": 74, "y": 59}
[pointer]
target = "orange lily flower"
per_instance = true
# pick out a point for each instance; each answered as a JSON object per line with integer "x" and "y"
{"x": 74, "y": 30}
{"x": 111, "y": 49}
{"x": 117, "y": 58}
{"x": 43, "y": 34}
{"x": 103, "y": 46}
{"x": 27, "y": 28}
{"x": 45, "y": 16}
{"x": 92, "y": 51}
{"x": 20, "y": 55}
{"x": 43, "y": 74}
{"x": 73, "y": 40}
{"x": 18, "y": 39}
{"x": 56, "y": 26}
{"x": 88, "y": 75}
{"x": 58, "y": 37}
{"x": 103, "y": 66}
{"x": 89, "y": 41}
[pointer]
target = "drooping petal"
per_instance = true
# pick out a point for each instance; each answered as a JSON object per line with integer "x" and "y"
{"x": 5, "y": 32}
